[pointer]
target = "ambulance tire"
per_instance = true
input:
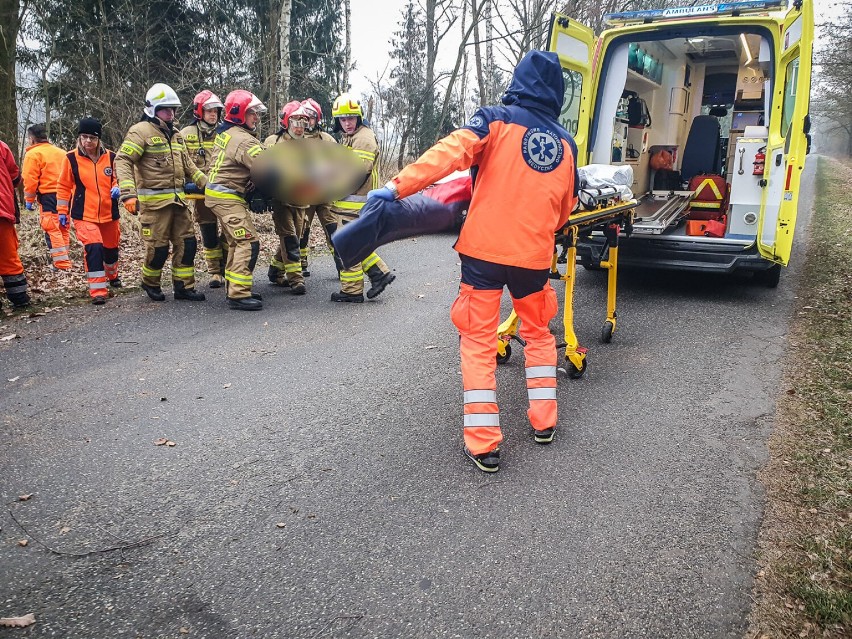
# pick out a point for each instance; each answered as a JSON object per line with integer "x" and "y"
{"x": 770, "y": 277}
{"x": 606, "y": 332}
{"x": 502, "y": 359}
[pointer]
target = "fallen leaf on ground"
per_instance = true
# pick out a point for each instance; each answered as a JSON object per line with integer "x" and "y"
{"x": 184, "y": 631}
{"x": 9, "y": 337}
{"x": 420, "y": 296}
{"x": 429, "y": 348}
{"x": 170, "y": 443}
{"x": 64, "y": 530}
{"x": 26, "y": 497}
{"x": 280, "y": 524}
{"x": 23, "y": 542}
{"x": 161, "y": 441}
{"x": 14, "y": 379}
{"x": 17, "y": 622}
{"x": 228, "y": 385}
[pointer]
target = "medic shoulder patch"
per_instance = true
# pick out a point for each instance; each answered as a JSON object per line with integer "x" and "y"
{"x": 542, "y": 149}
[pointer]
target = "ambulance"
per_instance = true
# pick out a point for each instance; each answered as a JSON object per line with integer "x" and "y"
{"x": 708, "y": 105}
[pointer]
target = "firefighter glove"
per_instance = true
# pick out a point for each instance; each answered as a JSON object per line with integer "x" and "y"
{"x": 114, "y": 192}
{"x": 63, "y": 220}
{"x": 130, "y": 205}
{"x": 30, "y": 206}
{"x": 383, "y": 193}
{"x": 190, "y": 188}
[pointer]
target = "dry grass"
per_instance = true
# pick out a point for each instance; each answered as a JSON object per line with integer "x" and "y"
{"x": 804, "y": 584}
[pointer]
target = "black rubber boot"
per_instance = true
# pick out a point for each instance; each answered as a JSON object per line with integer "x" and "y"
{"x": 273, "y": 274}
{"x": 346, "y": 297}
{"x": 380, "y": 284}
{"x": 298, "y": 289}
{"x": 245, "y": 304}
{"x": 154, "y": 292}
{"x": 189, "y": 294}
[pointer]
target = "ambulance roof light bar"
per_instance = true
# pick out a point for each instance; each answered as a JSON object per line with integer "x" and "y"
{"x": 673, "y": 13}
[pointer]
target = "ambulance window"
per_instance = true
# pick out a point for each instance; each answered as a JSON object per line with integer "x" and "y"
{"x": 789, "y": 96}
{"x": 570, "y": 116}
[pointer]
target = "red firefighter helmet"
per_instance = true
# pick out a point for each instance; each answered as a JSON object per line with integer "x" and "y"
{"x": 240, "y": 102}
{"x": 314, "y": 106}
{"x": 203, "y": 101}
{"x": 286, "y": 110}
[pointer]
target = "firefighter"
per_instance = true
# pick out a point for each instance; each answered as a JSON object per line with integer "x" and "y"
{"x": 228, "y": 194}
{"x": 41, "y": 170}
{"x": 349, "y": 119}
{"x": 154, "y": 172}
{"x": 87, "y": 191}
{"x": 322, "y": 211}
{"x": 199, "y": 137}
{"x": 277, "y": 273}
{"x": 11, "y": 269}
{"x": 525, "y": 188}
{"x": 289, "y": 219}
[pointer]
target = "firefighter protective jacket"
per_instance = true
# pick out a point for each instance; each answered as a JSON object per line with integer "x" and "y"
{"x": 199, "y": 139}
{"x": 153, "y": 165}
{"x": 42, "y": 163}
{"x": 363, "y": 142}
{"x": 84, "y": 186}
{"x": 10, "y": 175}
{"x": 523, "y": 165}
{"x": 235, "y": 150}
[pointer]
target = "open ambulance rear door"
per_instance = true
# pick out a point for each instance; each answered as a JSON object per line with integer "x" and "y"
{"x": 789, "y": 126}
{"x": 575, "y": 45}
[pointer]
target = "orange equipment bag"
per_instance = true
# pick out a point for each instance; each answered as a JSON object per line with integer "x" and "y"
{"x": 707, "y": 228}
{"x": 711, "y": 197}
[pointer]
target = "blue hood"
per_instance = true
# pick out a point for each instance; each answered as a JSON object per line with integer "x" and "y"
{"x": 537, "y": 84}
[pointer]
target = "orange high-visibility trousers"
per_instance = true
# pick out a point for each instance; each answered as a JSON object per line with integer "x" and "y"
{"x": 100, "y": 243}
{"x": 56, "y": 237}
{"x": 11, "y": 269}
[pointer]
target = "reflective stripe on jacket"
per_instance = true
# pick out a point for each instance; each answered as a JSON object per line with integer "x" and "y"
{"x": 364, "y": 144}
{"x": 84, "y": 187}
{"x": 234, "y": 152}
{"x": 199, "y": 143}
{"x": 42, "y": 164}
{"x": 153, "y": 164}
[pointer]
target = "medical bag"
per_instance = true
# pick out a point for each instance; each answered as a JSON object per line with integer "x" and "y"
{"x": 711, "y": 197}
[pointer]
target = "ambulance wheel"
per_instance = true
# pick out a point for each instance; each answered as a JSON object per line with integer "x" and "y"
{"x": 606, "y": 332}
{"x": 771, "y": 276}
{"x": 502, "y": 359}
{"x": 572, "y": 371}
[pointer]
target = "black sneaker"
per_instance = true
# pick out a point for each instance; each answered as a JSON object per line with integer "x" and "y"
{"x": 380, "y": 284}
{"x": 544, "y": 436}
{"x": 116, "y": 283}
{"x": 99, "y": 300}
{"x": 154, "y": 292}
{"x": 346, "y": 297}
{"x": 486, "y": 462}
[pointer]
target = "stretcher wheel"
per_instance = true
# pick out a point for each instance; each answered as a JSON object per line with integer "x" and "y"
{"x": 572, "y": 371}
{"x": 606, "y": 332}
{"x": 502, "y": 359}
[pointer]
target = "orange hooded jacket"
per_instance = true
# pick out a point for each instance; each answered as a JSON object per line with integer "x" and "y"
{"x": 84, "y": 186}
{"x": 42, "y": 163}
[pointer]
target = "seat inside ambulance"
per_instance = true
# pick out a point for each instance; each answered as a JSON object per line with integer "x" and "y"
{"x": 675, "y": 109}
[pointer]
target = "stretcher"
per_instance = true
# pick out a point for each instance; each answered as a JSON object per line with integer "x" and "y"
{"x": 609, "y": 216}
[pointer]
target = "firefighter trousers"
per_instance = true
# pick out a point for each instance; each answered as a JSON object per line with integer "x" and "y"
{"x": 100, "y": 245}
{"x": 328, "y": 220}
{"x": 243, "y": 246}
{"x": 288, "y": 221}
{"x": 352, "y": 277}
{"x": 55, "y": 235}
{"x": 476, "y": 315}
{"x": 215, "y": 245}
{"x": 11, "y": 269}
{"x": 171, "y": 224}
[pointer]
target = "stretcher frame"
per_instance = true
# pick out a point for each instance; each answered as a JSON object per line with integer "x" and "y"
{"x": 611, "y": 220}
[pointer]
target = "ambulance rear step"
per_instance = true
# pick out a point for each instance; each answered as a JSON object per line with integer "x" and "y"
{"x": 657, "y": 211}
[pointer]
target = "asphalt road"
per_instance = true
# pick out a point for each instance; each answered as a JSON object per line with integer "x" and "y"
{"x": 317, "y": 487}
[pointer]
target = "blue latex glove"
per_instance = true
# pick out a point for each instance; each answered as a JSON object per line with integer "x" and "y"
{"x": 30, "y": 206}
{"x": 63, "y": 219}
{"x": 383, "y": 193}
{"x": 115, "y": 192}
{"x": 190, "y": 188}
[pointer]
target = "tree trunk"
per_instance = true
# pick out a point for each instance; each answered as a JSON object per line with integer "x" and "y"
{"x": 284, "y": 53}
{"x": 477, "y": 53}
{"x": 347, "y": 51}
{"x": 9, "y": 25}
{"x": 489, "y": 52}
{"x": 463, "y": 88}
{"x": 474, "y": 18}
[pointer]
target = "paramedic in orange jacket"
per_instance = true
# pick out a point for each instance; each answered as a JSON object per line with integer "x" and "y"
{"x": 41, "y": 171}
{"x": 524, "y": 188}
{"x": 87, "y": 190}
{"x": 11, "y": 269}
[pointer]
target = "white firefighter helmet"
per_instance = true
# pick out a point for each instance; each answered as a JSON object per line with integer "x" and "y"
{"x": 158, "y": 96}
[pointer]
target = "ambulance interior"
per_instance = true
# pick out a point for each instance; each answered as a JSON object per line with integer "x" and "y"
{"x": 682, "y": 107}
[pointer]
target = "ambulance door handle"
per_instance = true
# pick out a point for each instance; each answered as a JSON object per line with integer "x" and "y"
{"x": 778, "y": 159}
{"x": 741, "y": 169}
